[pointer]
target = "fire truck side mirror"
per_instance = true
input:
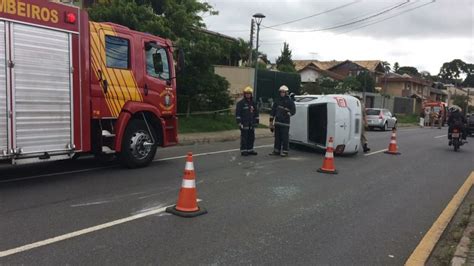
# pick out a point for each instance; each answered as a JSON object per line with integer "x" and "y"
{"x": 181, "y": 61}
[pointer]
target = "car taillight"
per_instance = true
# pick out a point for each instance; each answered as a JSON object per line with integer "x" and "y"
{"x": 380, "y": 116}
{"x": 70, "y": 18}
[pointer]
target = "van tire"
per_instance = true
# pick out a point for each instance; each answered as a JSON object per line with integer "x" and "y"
{"x": 134, "y": 153}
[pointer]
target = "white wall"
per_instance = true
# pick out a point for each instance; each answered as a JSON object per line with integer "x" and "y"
{"x": 309, "y": 75}
{"x": 238, "y": 77}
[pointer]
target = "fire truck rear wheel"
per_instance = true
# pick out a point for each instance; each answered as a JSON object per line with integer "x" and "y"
{"x": 138, "y": 149}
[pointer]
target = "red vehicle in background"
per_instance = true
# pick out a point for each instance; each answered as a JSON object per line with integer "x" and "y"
{"x": 71, "y": 86}
{"x": 437, "y": 107}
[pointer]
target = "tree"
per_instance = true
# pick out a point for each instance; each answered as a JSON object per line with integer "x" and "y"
{"x": 412, "y": 71}
{"x": 321, "y": 86}
{"x": 450, "y": 71}
{"x": 386, "y": 66}
{"x": 284, "y": 61}
{"x": 461, "y": 100}
{"x": 178, "y": 20}
{"x": 350, "y": 83}
{"x": 469, "y": 81}
{"x": 396, "y": 66}
{"x": 366, "y": 80}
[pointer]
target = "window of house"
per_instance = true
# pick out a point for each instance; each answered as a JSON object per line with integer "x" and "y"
{"x": 117, "y": 52}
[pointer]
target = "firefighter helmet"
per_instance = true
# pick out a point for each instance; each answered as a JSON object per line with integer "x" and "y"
{"x": 283, "y": 88}
{"x": 248, "y": 89}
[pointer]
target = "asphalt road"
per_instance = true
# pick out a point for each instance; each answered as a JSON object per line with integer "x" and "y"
{"x": 262, "y": 209}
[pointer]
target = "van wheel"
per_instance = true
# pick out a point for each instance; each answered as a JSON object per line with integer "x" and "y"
{"x": 138, "y": 149}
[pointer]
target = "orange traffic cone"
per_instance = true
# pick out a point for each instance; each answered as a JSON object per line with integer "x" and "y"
{"x": 328, "y": 164}
{"x": 187, "y": 199}
{"x": 392, "y": 147}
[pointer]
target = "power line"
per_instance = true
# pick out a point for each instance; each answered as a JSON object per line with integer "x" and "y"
{"x": 345, "y": 24}
{"x": 390, "y": 17}
{"x": 317, "y": 14}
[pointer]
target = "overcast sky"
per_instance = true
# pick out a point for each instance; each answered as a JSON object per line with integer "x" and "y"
{"x": 424, "y": 37}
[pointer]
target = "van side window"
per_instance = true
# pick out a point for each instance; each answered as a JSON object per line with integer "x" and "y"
{"x": 117, "y": 52}
{"x": 157, "y": 64}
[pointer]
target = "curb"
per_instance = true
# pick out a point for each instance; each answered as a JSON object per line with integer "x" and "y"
{"x": 463, "y": 249}
{"x": 201, "y": 138}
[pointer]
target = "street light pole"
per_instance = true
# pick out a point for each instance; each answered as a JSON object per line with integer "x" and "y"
{"x": 258, "y": 20}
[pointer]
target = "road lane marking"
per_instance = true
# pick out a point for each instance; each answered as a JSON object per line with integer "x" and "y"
{"x": 442, "y": 136}
{"x": 208, "y": 153}
{"x": 90, "y": 203}
{"x": 84, "y": 231}
{"x": 55, "y": 174}
{"x": 115, "y": 166}
{"x": 376, "y": 152}
{"x": 422, "y": 252}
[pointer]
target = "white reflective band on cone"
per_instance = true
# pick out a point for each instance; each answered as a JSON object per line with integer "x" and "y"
{"x": 189, "y": 166}
{"x": 329, "y": 155}
{"x": 393, "y": 142}
{"x": 188, "y": 183}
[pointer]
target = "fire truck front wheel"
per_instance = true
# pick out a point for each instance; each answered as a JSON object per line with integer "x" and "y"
{"x": 138, "y": 147}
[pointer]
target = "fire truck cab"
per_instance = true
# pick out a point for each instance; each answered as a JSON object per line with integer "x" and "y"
{"x": 71, "y": 86}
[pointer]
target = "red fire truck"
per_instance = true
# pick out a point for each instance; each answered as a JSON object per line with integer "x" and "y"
{"x": 70, "y": 86}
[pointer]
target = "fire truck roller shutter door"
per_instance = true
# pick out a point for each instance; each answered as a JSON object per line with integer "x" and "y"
{"x": 41, "y": 89}
{"x": 3, "y": 92}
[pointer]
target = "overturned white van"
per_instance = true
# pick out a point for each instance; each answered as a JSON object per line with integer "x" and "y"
{"x": 320, "y": 117}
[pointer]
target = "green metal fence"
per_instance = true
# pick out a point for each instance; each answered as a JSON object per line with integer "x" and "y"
{"x": 268, "y": 83}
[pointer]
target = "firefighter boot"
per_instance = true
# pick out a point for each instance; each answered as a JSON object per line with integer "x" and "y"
{"x": 366, "y": 148}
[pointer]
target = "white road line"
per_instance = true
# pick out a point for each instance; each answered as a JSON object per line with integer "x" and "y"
{"x": 148, "y": 212}
{"x": 106, "y": 167}
{"x": 80, "y": 232}
{"x": 90, "y": 203}
{"x": 442, "y": 136}
{"x": 208, "y": 153}
{"x": 376, "y": 152}
{"x": 55, "y": 174}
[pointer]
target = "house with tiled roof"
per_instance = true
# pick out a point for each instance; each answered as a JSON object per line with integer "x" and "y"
{"x": 353, "y": 68}
{"x": 311, "y": 70}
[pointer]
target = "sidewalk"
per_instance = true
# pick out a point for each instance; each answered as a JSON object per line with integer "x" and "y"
{"x": 230, "y": 135}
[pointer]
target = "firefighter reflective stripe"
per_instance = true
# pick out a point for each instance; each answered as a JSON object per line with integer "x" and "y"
{"x": 188, "y": 183}
{"x": 282, "y": 124}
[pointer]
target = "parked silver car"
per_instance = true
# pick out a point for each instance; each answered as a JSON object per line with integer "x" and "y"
{"x": 380, "y": 118}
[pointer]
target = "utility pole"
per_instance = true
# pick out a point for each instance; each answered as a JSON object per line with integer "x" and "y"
{"x": 363, "y": 88}
{"x": 252, "y": 30}
{"x": 467, "y": 102}
{"x": 258, "y": 20}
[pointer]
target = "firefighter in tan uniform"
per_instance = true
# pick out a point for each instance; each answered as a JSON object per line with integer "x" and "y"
{"x": 363, "y": 135}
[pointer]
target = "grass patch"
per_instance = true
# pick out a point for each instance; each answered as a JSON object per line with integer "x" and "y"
{"x": 208, "y": 123}
{"x": 408, "y": 119}
{"x": 446, "y": 247}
